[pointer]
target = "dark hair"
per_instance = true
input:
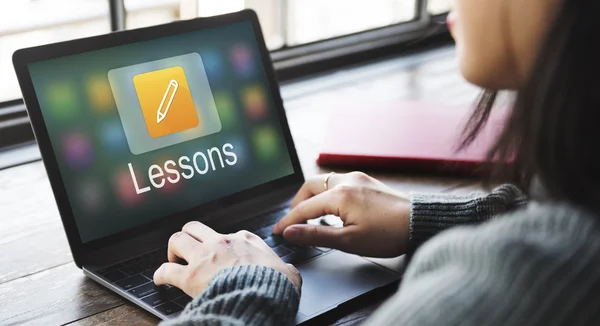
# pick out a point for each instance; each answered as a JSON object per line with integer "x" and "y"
{"x": 555, "y": 120}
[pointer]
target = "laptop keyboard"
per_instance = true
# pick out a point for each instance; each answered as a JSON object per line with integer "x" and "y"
{"x": 135, "y": 275}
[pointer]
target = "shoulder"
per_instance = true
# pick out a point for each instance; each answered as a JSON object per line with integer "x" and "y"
{"x": 527, "y": 263}
{"x": 537, "y": 266}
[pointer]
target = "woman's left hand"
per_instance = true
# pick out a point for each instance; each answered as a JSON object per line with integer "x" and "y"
{"x": 207, "y": 252}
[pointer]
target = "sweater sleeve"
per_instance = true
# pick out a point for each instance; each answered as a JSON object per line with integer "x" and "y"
{"x": 432, "y": 213}
{"x": 243, "y": 295}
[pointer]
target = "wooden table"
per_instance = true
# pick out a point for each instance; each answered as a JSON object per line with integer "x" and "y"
{"x": 40, "y": 285}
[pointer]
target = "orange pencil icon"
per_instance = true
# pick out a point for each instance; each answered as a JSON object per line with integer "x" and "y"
{"x": 161, "y": 112}
{"x": 166, "y": 101}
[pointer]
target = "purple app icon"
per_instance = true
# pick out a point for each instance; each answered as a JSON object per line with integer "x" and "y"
{"x": 77, "y": 150}
{"x": 241, "y": 57}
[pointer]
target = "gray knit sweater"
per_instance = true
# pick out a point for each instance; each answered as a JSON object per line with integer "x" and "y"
{"x": 538, "y": 264}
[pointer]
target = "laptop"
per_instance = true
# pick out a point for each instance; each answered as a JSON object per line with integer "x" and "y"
{"x": 142, "y": 131}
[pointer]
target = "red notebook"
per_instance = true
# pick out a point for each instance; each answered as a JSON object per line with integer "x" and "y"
{"x": 407, "y": 136}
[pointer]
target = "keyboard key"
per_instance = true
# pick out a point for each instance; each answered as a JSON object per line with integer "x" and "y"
{"x": 114, "y": 275}
{"x": 183, "y": 301}
{"x": 161, "y": 297}
{"x": 274, "y": 241}
{"x": 146, "y": 289}
{"x": 324, "y": 249}
{"x": 264, "y": 232}
{"x": 169, "y": 308}
{"x": 269, "y": 241}
{"x": 175, "y": 292}
{"x": 301, "y": 256}
{"x": 274, "y": 217}
{"x": 104, "y": 270}
{"x": 293, "y": 247}
{"x": 132, "y": 268}
{"x": 281, "y": 251}
{"x": 149, "y": 274}
{"x": 146, "y": 264}
{"x": 132, "y": 282}
{"x": 156, "y": 258}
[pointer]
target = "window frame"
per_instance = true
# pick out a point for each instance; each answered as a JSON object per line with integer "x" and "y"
{"x": 290, "y": 62}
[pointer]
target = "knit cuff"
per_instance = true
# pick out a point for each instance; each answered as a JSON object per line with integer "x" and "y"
{"x": 433, "y": 213}
{"x": 256, "y": 295}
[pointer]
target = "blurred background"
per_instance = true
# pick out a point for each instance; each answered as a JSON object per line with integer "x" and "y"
{"x": 285, "y": 23}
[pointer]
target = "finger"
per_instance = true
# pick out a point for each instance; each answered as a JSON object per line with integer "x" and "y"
{"x": 314, "y": 186}
{"x": 317, "y": 235}
{"x": 182, "y": 245}
{"x": 317, "y": 206}
{"x": 245, "y": 234}
{"x": 200, "y": 231}
{"x": 296, "y": 273}
{"x": 170, "y": 273}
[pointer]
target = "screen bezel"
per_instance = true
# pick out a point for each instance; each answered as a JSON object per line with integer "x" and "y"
{"x": 22, "y": 58}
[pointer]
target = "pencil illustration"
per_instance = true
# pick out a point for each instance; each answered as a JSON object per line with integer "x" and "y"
{"x": 163, "y": 109}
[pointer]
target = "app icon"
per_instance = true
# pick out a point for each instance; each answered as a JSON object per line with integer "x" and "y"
{"x": 166, "y": 101}
{"x": 90, "y": 195}
{"x": 226, "y": 108}
{"x": 265, "y": 143}
{"x": 99, "y": 94}
{"x": 113, "y": 137}
{"x": 125, "y": 188}
{"x": 254, "y": 100}
{"x": 213, "y": 62}
{"x": 241, "y": 56}
{"x": 77, "y": 149}
{"x": 62, "y": 98}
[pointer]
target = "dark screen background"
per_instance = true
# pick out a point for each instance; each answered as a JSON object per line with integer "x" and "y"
{"x": 90, "y": 145}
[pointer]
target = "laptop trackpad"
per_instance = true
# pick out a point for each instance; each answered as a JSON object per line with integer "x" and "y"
{"x": 339, "y": 277}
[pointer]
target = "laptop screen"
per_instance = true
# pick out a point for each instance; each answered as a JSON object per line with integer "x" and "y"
{"x": 145, "y": 130}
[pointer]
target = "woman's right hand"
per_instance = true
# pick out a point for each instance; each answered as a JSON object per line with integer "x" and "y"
{"x": 376, "y": 218}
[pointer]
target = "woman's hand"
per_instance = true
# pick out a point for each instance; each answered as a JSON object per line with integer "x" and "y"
{"x": 376, "y": 218}
{"x": 207, "y": 252}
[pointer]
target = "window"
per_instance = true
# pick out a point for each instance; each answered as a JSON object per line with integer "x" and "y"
{"x": 284, "y": 22}
{"x": 142, "y": 13}
{"x": 436, "y": 7}
{"x": 34, "y": 22}
{"x": 341, "y": 17}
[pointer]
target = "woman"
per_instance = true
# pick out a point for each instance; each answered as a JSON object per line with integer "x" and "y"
{"x": 535, "y": 263}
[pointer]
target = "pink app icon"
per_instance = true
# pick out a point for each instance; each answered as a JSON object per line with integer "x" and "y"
{"x": 125, "y": 188}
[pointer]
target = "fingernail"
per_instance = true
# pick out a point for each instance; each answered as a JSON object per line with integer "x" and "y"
{"x": 275, "y": 229}
{"x": 155, "y": 273}
{"x": 174, "y": 236}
